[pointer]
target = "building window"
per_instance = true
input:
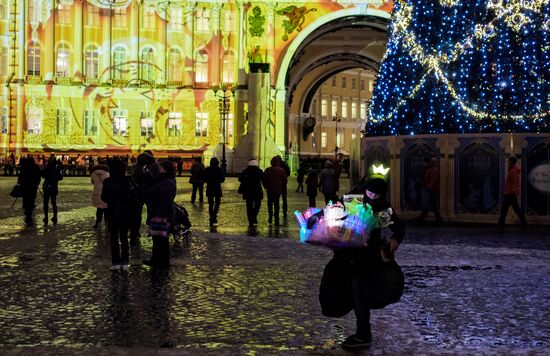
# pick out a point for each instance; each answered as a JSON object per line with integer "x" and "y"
{"x": 62, "y": 122}
{"x": 201, "y": 124}
{"x": 353, "y": 83}
{"x": 323, "y": 139}
{"x": 92, "y": 62}
{"x": 228, "y": 72}
{"x": 353, "y": 136}
{"x": 344, "y": 82}
{"x": 338, "y": 139}
{"x": 201, "y": 67}
{"x": 146, "y": 124}
{"x": 175, "y": 21}
{"x": 34, "y": 121}
{"x": 119, "y": 63}
{"x": 174, "y": 124}
{"x": 33, "y": 59}
{"x": 229, "y": 21}
{"x": 344, "y": 108}
{"x": 92, "y": 15}
{"x": 229, "y": 123}
{"x": 120, "y": 122}
{"x": 324, "y": 107}
{"x": 119, "y": 18}
{"x": 334, "y": 82}
{"x": 354, "y": 109}
{"x": 3, "y": 61}
{"x": 4, "y": 121}
{"x": 63, "y": 14}
{"x": 149, "y": 17}
{"x": 362, "y": 84}
{"x": 203, "y": 19}
{"x": 363, "y": 113}
{"x": 174, "y": 65}
{"x": 63, "y": 63}
{"x": 148, "y": 65}
{"x": 334, "y": 108}
{"x": 91, "y": 118}
{"x": 371, "y": 85}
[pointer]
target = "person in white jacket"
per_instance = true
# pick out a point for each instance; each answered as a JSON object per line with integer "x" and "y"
{"x": 99, "y": 173}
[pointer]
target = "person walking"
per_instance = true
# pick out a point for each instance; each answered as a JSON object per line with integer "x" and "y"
{"x": 214, "y": 177}
{"x": 29, "y": 180}
{"x": 160, "y": 202}
{"x": 300, "y": 178}
{"x": 274, "y": 182}
{"x": 252, "y": 191}
{"x": 116, "y": 194}
{"x": 510, "y": 193}
{"x": 328, "y": 182}
{"x": 100, "y": 172}
{"x": 197, "y": 179}
{"x": 52, "y": 175}
{"x": 312, "y": 183}
{"x": 286, "y": 169}
{"x": 432, "y": 189}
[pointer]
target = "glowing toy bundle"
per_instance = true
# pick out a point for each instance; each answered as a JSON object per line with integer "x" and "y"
{"x": 338, "y": 225}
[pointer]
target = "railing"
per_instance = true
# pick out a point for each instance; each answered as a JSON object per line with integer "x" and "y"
{"x": 33, "y": 79}
{"x": 175, "y": 83}
{"x": 63, "y": 80}
{"x": 205, "y": 85}
{"x": 91, "y": 81}
{"x": 120, "y": 82}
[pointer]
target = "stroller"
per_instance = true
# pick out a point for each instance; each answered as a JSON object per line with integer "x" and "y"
{"x": 182, "y": 224}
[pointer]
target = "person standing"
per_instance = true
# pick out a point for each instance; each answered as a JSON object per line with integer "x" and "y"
{"x": 160, "y": 203}
{"x": 274, "y": 182}
{"x": 116, "y": 194}
{"x": 312, "y": 183}
{"x": 100, "y": 172}
{"x": 180, "y": 166}
{"x": 285, "y": 168}
{"x": 52, "y": 175}
{"x": 510, "y": 194}
{"x": 214, "y": 177}
{"x": 300, "y": 178}
{"x": 29, "y": 180}
{"x": 252, "y": 191}
{"x": 197, "y": 180}
{"x": 432, "y": 189}
{"x": 328, "y": 182}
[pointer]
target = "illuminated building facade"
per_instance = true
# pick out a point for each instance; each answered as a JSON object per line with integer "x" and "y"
{"x": 122, "y": 76}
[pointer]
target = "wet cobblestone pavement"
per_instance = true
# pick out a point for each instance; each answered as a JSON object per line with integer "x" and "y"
{"x": 469, "y": 290}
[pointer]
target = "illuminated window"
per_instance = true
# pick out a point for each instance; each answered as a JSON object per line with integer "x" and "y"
{"x": 33, "y": 59}
{"x": 343, "y": 82}
{"x": 63, "y": 14}
{"x": 201, "y": 124}
{"x": 344, "y": 108}
{"x": 228, "y": 73}
{"x": 323, "y": 139}
{"x": 34, "y": 121}
{"x": 229, "y": 21}
{"x": 334, "y": 108}
{"x": 4, "y": 121}
{"x": 338, "y": 139}
{"x": 119, "y": 63}
{"x": 174, "y": 65}
{"x": 35, "y": 10}
{"x": 146, "y": 124}
{"x": 120, "y": 122}
{"x": 174, "y": 124}
{"x": 229, "y": 123}
{"x": 353, "y": 83}
{"x": 203, "y": 19}
{"x": 148, "y": 65}
{"x": 324, "y": 107}
{"x": 92, "y": 15}
{"x": 92, "y": 62}
{"x": 175, "y": 18}
{"x": 91, "y": 118}
{"x": 63, "y": 63}
{"x": 363, "y": 113}
{"x": 3, "y": 61}
{"x": 62, "y": 122}
{"x": 354, "y": 109}
{"x": 149, "y": 17}
{"x": 119, "y": 19}
{"x": 201, "y": 67}
{"x": 334, "y": 82}
{"x": 353, "y": 136}
{"x": 371, "y": 85}
{"x": 362, "y": 84}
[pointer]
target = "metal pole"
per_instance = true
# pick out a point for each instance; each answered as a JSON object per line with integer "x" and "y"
{"x": 224, "y": 113}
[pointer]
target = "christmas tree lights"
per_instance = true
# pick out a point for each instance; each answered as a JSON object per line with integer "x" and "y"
{"x": 456, "y": 66}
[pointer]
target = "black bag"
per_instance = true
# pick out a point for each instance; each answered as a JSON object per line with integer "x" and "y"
{"x": 384, "y": 285}
{"x": 241, "y": 189}
{"x": 17, "y": 191}
{"x": 335, "y": 293}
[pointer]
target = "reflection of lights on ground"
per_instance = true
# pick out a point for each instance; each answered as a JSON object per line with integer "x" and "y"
{"x": 9, "y": 261}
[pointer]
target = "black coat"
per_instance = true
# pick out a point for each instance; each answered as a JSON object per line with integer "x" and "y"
{"x": 52, "y": 175}
{"x": 251, "y": 183}
{"x": 160, "y": 202}
{"x": 213, "y": 177}
{"x": 29, "y": 178}
{"x": 116, "y": 193}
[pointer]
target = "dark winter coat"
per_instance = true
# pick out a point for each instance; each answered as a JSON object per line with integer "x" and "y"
{"x": 251, "y": 182}
{"x": 52, "y": 175}
{"x": 312, "y": 183}
{"x": 145, "y": 175}
{"x": 214, "y": 177}
{"x": 274, "y": 178}
{"x": 161, "y": 196}
{"x": 29, "y": 176}
{"x": 328, "y": 180}
{"x": 197, "y": 173}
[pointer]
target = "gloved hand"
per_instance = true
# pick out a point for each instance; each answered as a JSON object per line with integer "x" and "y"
{"x": 313, "y": 219}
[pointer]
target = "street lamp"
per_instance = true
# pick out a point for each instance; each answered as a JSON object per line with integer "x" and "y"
{"x": 336, "y": 121}
{"x": 224, "y": 93}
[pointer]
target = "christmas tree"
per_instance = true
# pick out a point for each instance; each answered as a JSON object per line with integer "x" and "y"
{"x": 464, "y": 66}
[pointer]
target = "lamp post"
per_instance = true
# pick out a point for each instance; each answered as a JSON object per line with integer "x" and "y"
{"x": 224, "y": 94}
{"x": 336, "y": 121}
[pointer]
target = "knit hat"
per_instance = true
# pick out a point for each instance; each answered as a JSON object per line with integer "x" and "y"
{"x": 253, "y": 162}
{"x": 377, "y": 184}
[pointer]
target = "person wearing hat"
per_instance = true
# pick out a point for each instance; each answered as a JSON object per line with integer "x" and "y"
{"x": 362, "y": 262}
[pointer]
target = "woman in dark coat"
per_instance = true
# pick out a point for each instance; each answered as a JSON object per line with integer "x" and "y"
{"x": 160, "y": 203}
{"x": 312, "y": 183}
{"x": 251, "y": 189}
{"x": 29, "y": 179}
{"x": 214, "y": 177}
{"x": 52, "y": 175}
{"x": 116, "y": 193}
